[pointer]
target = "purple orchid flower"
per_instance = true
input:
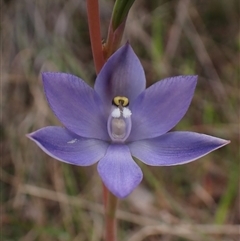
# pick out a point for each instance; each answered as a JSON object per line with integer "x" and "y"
{"x": 120, "y": 118}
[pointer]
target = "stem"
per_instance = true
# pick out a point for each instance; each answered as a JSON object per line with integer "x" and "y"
{"x": 114, "y": 39}
{"x": 95, "y": 33}
{"x": 105, "y": 195}
{"x": 110, "y": 224}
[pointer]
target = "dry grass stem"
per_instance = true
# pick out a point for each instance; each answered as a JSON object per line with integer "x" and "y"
{"x": 180, "y": 230}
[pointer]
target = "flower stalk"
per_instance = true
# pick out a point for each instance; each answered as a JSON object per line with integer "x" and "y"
{"x": 95, "y": 33}
{"x": 109, "y": 200}
{"x": 110, "y": 223}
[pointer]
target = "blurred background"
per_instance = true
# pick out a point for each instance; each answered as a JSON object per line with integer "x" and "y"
{"x": 45, "y": 200}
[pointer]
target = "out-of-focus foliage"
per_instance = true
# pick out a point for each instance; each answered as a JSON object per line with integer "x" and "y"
{"x": 171, "y": 38}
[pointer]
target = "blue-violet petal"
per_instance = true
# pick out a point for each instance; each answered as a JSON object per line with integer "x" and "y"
{"x": 118, "y": 170}
{"x": 175, "y": 148}
{"x": 161, "y": 106}
{"x": 76, "y": 105}
{"x": 68, "y": 147}
{"x": 122, "y": 75}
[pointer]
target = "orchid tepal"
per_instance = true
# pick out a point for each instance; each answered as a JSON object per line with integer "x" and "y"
{"x": 120, "y": 119}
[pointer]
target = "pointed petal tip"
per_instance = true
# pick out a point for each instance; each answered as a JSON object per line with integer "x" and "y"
{"x": 224, "y": 142}
{"x": 30, "y": 135}
{"x": 128, "y": 45}
{"x": 218, "y": 141}
{"x": 127, "y": 48}
{"x": 193, "y": 78}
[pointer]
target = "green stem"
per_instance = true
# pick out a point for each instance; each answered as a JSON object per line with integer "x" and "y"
{"x": 95, "y": 33}
{"x": 110, "y": 224}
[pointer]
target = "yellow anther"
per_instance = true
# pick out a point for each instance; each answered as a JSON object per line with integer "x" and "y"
{"x": 120, "y": 101}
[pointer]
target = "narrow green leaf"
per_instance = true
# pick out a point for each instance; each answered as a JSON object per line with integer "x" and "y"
{"x": 120, "y": 12}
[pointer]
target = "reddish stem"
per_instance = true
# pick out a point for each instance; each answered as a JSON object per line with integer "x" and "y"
{"x": 105, "y": 195}
{"x": 95, "y": 33}
{"x": 110, "y": 231}
{"x": 96, "y": 45}
{"x": 110, "y": 201}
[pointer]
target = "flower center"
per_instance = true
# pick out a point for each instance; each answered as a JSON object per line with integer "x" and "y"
{"x": 119, "y": 121}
